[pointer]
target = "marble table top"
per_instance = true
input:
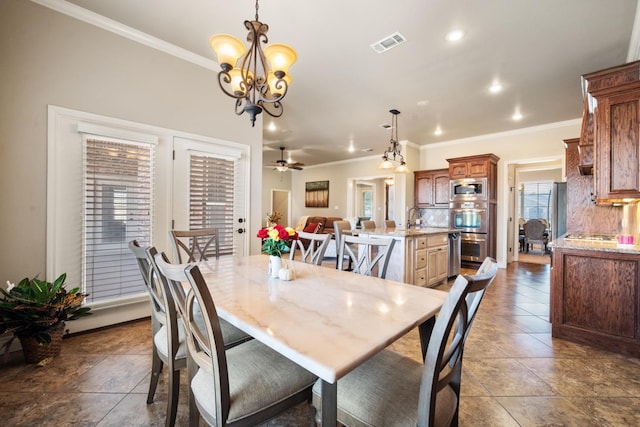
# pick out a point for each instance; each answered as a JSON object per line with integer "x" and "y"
{"x": 326, "y": 320}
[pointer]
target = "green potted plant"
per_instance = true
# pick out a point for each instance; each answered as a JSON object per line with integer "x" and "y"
{"x": 35, "y": 311}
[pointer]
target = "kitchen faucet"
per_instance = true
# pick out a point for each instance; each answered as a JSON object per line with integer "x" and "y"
{"x": 409, "y": 216}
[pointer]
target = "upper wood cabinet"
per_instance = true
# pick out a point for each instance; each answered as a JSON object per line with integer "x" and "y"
{"x": 431, "y": 188}
{"x": 616, "y": 123}
{"x": 472, "y": 166}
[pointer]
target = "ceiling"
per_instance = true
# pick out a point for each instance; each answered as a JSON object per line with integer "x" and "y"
{"x": 342, "y": 90}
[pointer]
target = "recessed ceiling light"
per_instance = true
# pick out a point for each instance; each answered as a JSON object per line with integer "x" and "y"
{"x": 351, "y": 147}
{"x": 454, "y": 36}
{"x": 423, "y": 103}
{"x": 438, "y": 131}
{"x": 517, "y": 116}
{"x": 495, "y": 87}
{"x": 272, "y": 127}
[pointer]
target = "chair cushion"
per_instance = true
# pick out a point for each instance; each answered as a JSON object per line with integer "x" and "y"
{"x": 259, "y": 377}
{"x": 384, "y": 391}
{"x": 312, "y": 227}
{"x": 161, "y": 341}
{"x": 230, "y": 334}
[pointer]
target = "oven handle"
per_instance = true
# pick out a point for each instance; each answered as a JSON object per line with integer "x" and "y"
{"x": 467, "y": 239}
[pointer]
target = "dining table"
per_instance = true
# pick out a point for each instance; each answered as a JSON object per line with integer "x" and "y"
{"x": 326, "y": 320}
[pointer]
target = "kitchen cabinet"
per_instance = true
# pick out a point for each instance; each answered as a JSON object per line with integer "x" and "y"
{"x": 616, "y": 130}
{"x": 431, "y": 188}
{"x": 437, "y": 259}
{"x": 472, "y": 166}
{"x": 594, "y": 297}
{"x": 585, "y": 144}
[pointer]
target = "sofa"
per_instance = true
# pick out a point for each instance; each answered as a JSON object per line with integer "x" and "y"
{"x": 325, "y": 224}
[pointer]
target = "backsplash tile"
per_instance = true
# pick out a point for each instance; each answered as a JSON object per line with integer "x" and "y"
{"x": 435, "y": 217}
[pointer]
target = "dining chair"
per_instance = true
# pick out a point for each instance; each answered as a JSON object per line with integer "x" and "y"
{"x": 241, "y": 386}
{"x": 394, "y": 390}
{"x": 316, "y": 245}
{"x": 340, "y": 228}
{"x": 167, "y": 334}
{"x": 232, "y": 336}
{"x": 366, "y": 254}
{"x": 389, "y": 224}
{"x": 534, "y": 233}
{"x": 195, "y": 244}
{"x": 368, "y": 225}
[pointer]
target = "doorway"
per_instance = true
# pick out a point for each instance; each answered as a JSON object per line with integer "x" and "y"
{"x": 540, "y": 171}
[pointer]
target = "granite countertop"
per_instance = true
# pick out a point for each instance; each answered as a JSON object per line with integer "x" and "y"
{"x": 594, "y": 245}
{"x": 422, "y": 231}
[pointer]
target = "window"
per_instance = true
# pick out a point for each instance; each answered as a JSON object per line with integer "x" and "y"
{"x": 535, "y": 200}
{"x": 117, "y": 200}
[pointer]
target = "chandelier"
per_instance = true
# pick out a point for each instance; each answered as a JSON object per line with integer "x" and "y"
{"x": 249, "y": 79}
{"x": 393, "y": 153}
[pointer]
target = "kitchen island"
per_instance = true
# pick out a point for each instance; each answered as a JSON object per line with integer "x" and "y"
{"x": 595, "y": 293}
{"x": 420, "y": 255}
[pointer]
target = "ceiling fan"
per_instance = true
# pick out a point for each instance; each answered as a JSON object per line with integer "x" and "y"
{"x": 283, "y": 165}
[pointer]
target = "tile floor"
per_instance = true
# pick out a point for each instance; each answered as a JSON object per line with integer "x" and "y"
{"x": 514, "y": 373}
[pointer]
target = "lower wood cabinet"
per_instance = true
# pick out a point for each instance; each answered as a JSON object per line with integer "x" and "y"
{"x": 420, "y": 260}
{"x": 437, "y": 258}
{"x": 595, "y": 299}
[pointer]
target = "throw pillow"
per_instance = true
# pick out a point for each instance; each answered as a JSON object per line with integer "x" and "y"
{"x": 312, "y": 227}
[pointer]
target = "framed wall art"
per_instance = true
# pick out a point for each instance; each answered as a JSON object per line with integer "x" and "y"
{"x": 316, "y": 194}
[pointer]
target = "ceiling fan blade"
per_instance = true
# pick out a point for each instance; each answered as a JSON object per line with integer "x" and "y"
{"x": 298, "y": 168}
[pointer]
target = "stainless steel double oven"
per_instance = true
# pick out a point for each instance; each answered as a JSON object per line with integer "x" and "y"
{"x": 469, "y": 214}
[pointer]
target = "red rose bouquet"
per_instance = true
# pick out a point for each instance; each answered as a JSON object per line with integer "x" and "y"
{"x": 277, "y": 239}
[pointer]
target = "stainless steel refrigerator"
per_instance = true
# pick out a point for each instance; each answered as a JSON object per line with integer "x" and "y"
{"x": 558, "y": 209}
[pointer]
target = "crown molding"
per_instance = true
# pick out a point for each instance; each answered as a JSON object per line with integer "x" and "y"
{"x": 120, "y": 29}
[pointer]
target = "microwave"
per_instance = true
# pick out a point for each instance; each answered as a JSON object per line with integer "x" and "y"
{"x": 468, "y": 189}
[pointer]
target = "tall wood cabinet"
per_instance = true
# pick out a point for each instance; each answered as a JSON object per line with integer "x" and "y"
{"x": 616, "y": 131}
{"x": 481, "y": 166}
{"x": 431, "y": 188}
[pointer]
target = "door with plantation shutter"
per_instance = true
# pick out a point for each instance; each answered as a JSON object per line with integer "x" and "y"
{"x": 209, "y": 190}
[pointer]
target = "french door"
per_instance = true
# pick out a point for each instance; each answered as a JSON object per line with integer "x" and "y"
{"x": 210, "y": 190}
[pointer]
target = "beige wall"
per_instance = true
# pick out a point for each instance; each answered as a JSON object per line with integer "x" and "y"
{"x": 49, "y": 58}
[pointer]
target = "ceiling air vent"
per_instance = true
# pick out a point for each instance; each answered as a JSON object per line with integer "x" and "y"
{"x": 388, "y": 42}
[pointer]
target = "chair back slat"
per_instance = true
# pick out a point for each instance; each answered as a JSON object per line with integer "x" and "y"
{"x": 195, "y": 245}
{"x": 366, "y": 255}
{"x": 152, "y": 284}
{"x": 213, "y": 354}
{"x": 316, "y": 245}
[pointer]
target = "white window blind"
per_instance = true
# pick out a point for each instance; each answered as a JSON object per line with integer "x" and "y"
{"x": 117, "y": 200}
{"x": 211, "y": 197}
